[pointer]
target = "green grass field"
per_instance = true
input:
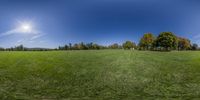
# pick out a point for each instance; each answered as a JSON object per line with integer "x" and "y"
{"x": 103, "y": 74}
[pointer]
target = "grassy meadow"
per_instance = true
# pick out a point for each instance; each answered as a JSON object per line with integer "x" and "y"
{"x": 100, "y": 74}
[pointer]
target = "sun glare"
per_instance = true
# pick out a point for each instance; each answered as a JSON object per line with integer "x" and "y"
{"x": 26, "y": 28}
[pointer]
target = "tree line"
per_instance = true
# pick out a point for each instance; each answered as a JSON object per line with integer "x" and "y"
{"x": 22, "y": 48}
{"x": 165, "y": 41}
{"x": 94, "y": 46}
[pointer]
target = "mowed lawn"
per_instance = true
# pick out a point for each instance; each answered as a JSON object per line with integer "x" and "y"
{"x": 103, "y": 74}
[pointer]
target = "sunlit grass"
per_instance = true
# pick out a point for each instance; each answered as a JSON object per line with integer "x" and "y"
{"x": 103, "y": 74}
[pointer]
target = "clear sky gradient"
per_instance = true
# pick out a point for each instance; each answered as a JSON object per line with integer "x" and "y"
{"x": 58, "y": 22}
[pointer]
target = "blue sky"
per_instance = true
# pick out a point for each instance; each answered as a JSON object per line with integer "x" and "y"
{"x": 58, "y": 22}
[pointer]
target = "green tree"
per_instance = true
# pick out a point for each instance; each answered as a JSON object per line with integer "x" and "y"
{"x": 183, "y": 43}
{"x": 146, "y": 42}
{"x": 89, "y": 45}
{"x": 194, "y": 46}
{"x": 59, "y": 48}
{"x": 129, "y": 45}
{"x": 19, "y": 48}
{"x": 70, "y": 46}
{"x": 66, "y": 47}
{"x": 114, "y": 46}
{"x": 96, "y": 46}
{"x": 2, "y": 49}
{"x": 166, "y": 40}
{"x": 82, "y": 46}
{"x": 75, "y": 46}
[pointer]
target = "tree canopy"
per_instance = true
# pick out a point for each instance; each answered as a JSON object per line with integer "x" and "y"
{"x": 166, "y": 40}
{"x": 146, "y": 42}
{"x": 128, "y": 45}
{"x": 183, "y": 43}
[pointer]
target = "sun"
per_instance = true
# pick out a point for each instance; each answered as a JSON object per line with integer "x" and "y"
{"x": 26, "y": 27}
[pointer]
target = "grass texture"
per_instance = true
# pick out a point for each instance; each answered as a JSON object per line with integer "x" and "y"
{"x": 100, "y": 75}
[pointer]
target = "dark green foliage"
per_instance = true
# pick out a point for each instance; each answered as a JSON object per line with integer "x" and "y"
{"x": 194, "y": 46}
{"x": 88, "y": 46}
{"x": 66, "y": 47}
{"x": 166, "y": 41}
{"x": 114, "y": 46}
{"x": 128, "y": 45}
{"x": 2, "y": 49}
{"x": 19, "y": 48}
{"x": 70, "y": 46}
{"x": 75, "y": 47}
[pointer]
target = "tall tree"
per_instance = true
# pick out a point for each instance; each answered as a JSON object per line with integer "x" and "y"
{"x": 146, "y": 42}
{"x": 166, "y": 40}
{"x": 70, "y": 46}
{"x": 129, "y": 45}
{"x": 183, "y": 43}
{"x": 66, "y": 47}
